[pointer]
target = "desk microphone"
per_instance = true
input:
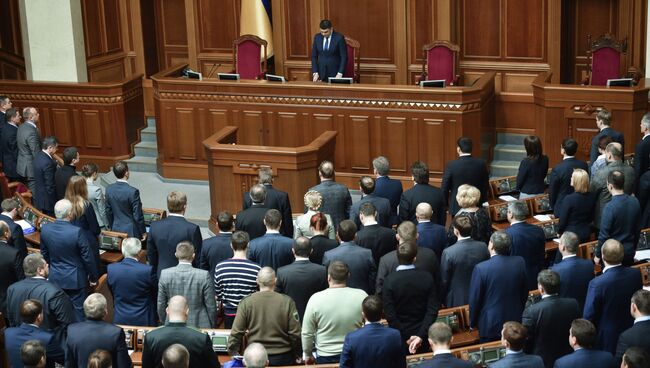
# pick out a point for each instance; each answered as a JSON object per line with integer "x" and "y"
{"x": 214, "y": 66}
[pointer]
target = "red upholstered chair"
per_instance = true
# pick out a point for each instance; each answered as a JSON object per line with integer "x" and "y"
{"x": 10, "y": 189}
{"x": 353, "y": 66}
{"x": 441, "y": 62}
{"x": 604, "y": 59}
{"x": 247, "y": 60}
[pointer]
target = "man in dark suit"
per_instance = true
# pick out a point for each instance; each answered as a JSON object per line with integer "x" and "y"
{"x": 9, "y": 144}
{"x": 498, "y": 291}
{"x": 57, "y": 308}
{"x": 272, "y": 249}
{"x": 31, "y": 313}
{"x": 464, "y": 170}
{"x": 123, "y": 206}
{"x": 411, "y": 300}
{"x": 44, "y": 170}
{"x": 458, "y": 262}
{"x": 440, "y": 336}
{"x": 422, "y": 192}
{"x": 513, "y": 337}
{"x": 17, "y": 237}
{"x": 176, "y": 331}
{"x": 382, "y": 205}
{"x": 621, "y": 219}
{"x": 65, "y": 172}
{"x": 329, "y": 53}
{"x": 301, "y": 279}
{"x": 380, "y": 240}
{"x": 528, "y": 241}
{"x": 430, "y": 235}
{"x": 384, "y": 351}
{"x": 644, "y": 199}
{"x": 560, "y": 180}
{"x": 251, "y": 220}
{"x": 575, "y": 273}
{"x": 5, "y": 105}
{"x": 603, "y": 122}
{"x": 386, "y": 187}
{"x": 28, "y": 140}
{"x": 359, "y": 260}
{"x": 275, "y": 199}
{"x": 598, "y": 185}
{"x": 637, "y": 335}
{"x": 217, "y": 248}
{"x": 642, "y": 150}
{"x": 336, "y": 197}
{"x": 164, "y": 235}
{"x": 11, "y": 269}
{"x": 426, "y": 259}
{"x": 68, "y": 251}
{"x": 92, "y": 334}
{"x": 548, "y": 320}
{"x": 582, "y": 338}
{"x": 133, "y": 285}
{"x": 607, "y": 303}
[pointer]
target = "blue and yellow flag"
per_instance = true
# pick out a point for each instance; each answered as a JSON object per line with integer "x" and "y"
{"x": 256, "y": 20}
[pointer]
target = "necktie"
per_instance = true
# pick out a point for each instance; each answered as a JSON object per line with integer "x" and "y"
{"x": 327, "y": 43}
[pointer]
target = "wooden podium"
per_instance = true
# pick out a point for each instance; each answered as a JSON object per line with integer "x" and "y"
{"x": 233, "y": 163}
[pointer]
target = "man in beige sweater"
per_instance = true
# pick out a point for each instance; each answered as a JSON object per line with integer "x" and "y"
{"x": 271, "y": 319}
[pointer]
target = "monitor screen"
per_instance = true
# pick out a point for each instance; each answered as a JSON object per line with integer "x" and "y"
{"x": 623, "y": 82}
{"x": 150, "y": 217}
{"x": 437, "y": 83}
{"x": 339, "y": 80}
{"x": 29, "y": 216}
{"x": 109, "y": 243}
{"x": 45, "y": 220}
{"x": 490, "y": 355}
{"x": 275, "y": 78}
{"x": 228, "y": 76}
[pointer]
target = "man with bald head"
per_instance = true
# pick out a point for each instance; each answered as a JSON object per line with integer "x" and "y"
{"x": 251, "y": 220}
{"x": 430, "y": 234}
{"x": 28, "y": 140}
{"x": 175, "y": 331}
{"x": 271, "y": 319}
{"x": 255, "y": 356}
{"x": 382, "y": 205}
{"x": 336, "y": 197}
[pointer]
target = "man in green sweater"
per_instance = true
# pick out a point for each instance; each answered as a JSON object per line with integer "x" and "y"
{"x": 271, "y": 319}
{"x": 330, "y": 315}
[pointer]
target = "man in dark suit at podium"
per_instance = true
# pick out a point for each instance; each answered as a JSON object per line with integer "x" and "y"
{"x": 603, "y": 121}
{"x": 329, "y": 53}
{"x": 276, "y": 199}
{"x": 386, "y": 187}
{"x": 464, "y": 170}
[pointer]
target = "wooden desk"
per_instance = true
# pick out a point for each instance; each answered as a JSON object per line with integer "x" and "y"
{"x": 405, "y": 123}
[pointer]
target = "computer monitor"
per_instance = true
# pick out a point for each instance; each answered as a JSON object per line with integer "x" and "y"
{"x": 30, "y": 216}
{"x": 219, "y": 342}
{"x": 275, "y": 78}
{"x": 339, "y": 80}
{"x": 622, "y": 82}
{"x": 109, "y": 243}
{"x": 150, "y": 217}
{"x": 228, "y": 76}
{"x": 435, "y": 83}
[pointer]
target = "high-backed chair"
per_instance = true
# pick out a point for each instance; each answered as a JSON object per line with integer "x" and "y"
{"x": 246, "y": 57}
{"x": 604, "y": 59}
{"x": 353, "y": 66}
{"x": 102, "y": 288}
{"x": 441, "y": 62}
{"x": 10, "y": 189}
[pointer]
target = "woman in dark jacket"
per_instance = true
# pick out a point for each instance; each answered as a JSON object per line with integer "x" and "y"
{"x": 532, "y": 169}
{"x": 576, "y": 212}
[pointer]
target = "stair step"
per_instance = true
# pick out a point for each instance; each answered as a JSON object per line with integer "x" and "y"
{"x": 509, "y": 138}
{"x": 148, "y": 134}
{"x": 509, "y": 152}
{"x": 146, "y": 149}
{"x": 143, "y": 164}
{"x": 500, "y": 168}
{"x": 151, "y": 122}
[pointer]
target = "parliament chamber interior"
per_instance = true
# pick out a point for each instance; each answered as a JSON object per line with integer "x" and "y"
{"x": 470, "y": 183}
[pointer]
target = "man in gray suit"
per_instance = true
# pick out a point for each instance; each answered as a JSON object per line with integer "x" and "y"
{"x": 458, "y": 262}
{"x": 193, "y": 284}
{"x": 336, "y": 197}
{"x": 29, "y": 142}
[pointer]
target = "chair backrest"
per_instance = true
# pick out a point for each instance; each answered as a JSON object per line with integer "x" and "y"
{"x": 102, "y": 288}
{"x": 4, "y": 186}
{"x": 605, "y": 54}
{"x": 247, "y": 59}
{"x": 353, "y": 65}
{"x": 441, "y": 59}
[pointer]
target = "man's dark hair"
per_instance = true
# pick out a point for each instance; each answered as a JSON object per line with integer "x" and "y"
{"x": 325, "y": 24}
{"x": 585, "y": 333}
{"x": 69, "y": 154}
{"x": 326, "y": 169}
{"x": 120, "y": 168}
{"x": 367, "y": 184}
{"x": 420, "y": 172}
{"x": 49, "y": 141}
{"x": 616, "y": 179}
{"x": 31, "y": 353}
{"x": 501, "y": 242}
{"x": 570, "y": 146}
{"x": 9, "y": 205}
{"x": 636, "y": 357}
{"x": 339, "y": 272}
{"x": 372, "y": 308}
{"x": 603, "y": 141}
{"x": 225, "y": 220}
{"x": 302, "y": 246}
{"x": 465, "y": 144}
{"x": 258, "y": 193}
{"x": 515, "y": 334}
{"x": 367, "y": 209}
{"x": 272, "y": 219}
{"x": 347, "y": 230}
{"x": 641, "y": 299}
{"x": 30, "y": 310}
{"x": 239, "y": 240}
{"x": 463, "y": 224}
{"x": 406, "y": 252}
{"x": 549, "y": 280}
{"x": 10, "y": 113}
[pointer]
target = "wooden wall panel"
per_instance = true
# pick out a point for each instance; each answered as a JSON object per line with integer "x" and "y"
{"x": 216, "y": 25}
{"x": 91, "y": 127}
{"x": 298, "y": 30}
{"x": 171, "y": 32}
{"x": 481, "y": 29}
{"x": 358, "y": 133}
{"x": 432, "y": 130}
{"x": 12, "y": 61}
{"x": 525, "y": 30}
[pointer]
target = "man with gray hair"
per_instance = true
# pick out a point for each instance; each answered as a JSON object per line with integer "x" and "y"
{"x": 271, "y": 319}
{"x": 251, "y": 220}
{"x": 386, "y": 187}
{"x": 275, "y": 199}
{"x": 192, "y": 283}
{"x": 28, "y": 140}
{"x": 71, "y": 256}
{"x": 176, "y": 356}
{"x": 642, "y": 150}
{"x": 92, "y": 334}
{"x": 528, "y": 241}
{"x": 575, "y": 272}
{"x": 255, "y": 356}
{"x": 44, "y": 173}
{"x": 133, "y": 285}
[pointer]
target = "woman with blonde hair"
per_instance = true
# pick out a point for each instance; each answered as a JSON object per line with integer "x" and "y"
{"x": 576, "y": 211}
{"x": 313, "y": 201}
{"x": 82, "y": 214}
{"x": 468, "y": 198}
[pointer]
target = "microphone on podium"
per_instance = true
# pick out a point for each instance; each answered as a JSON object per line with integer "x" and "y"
{"x": 214, "y": 66}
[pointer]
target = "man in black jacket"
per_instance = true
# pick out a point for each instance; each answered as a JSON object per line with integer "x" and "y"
{"x": 11, "y": 269}
{"x": 251, "y": 220}
{"x": 276, "y": 199}
{"x": 65, "y": 172}
{"x": 422, "y": 192}
{"x": 464, "y": 170}
{"x": 637, "y": 335}
{"x": 380, "y": 240}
